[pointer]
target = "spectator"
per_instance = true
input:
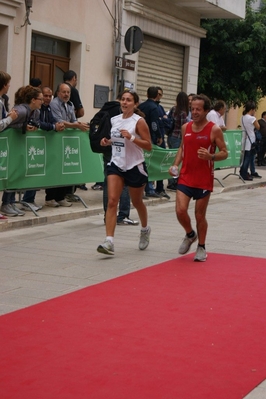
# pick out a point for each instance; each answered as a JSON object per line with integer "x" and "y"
{"x": 261, "y": 154}
{"x": 216, "y": 115}
{"x": 70, "y": 78}
{"x": 179, "y": 113}
{"x": 63, "y": 112}
{"x": 5, "y": 117}
{"x": 129, "y": 137}
{"x": 163, "y": 123}
{"x": 190, "y": 96}
{"x": 249, "y": 123}
{"x": 47, "y": 122}
{"x": 63, "y": 109}
{"x": 27, "y": 119}
{"x": 6, "y": 102}
{"x": 36, "y": 82}
{"x": 150, "y": 110}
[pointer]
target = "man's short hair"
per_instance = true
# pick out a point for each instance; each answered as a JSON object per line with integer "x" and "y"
{"x": 152, "y": 92}
{"x": 4, "y": 79}
{"x": 35, "y": 82}
{"x": 220, "y": 104}
{"x": 59, "y": 88}
{"x": 205, "y": 99}
{"x": 68, "y": 75}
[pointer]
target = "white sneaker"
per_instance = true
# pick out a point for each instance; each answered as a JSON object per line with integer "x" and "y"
{"x": 16, "y": 209}
{"x": 8, "y": 210}
{"x": 64, "y": 202}
{"x": 34, "y": 207}
{"x": 186, "y": 244}
{"x": 71, "y": 198}
{"x": 52, "y": 203}
{"x": 128, "y": 222}
{"x": 144, "y": 239}
{"x": 106, "y": 248}
{"x": 201, "y": 255}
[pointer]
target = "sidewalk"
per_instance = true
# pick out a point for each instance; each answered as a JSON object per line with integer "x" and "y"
{"x": 93, "y": 199}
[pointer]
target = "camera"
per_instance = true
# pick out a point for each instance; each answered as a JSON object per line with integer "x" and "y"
{"x": 34, "y": 123}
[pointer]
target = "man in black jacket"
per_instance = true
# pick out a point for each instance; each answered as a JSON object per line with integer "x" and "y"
{"x": 70, "y": 78}
{"x": 47, "y": 120}
{"x": 262, "y": 151}
{"x": 150, "y": 109}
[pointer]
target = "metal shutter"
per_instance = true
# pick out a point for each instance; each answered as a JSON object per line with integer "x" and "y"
{"x": 161, "y": 64}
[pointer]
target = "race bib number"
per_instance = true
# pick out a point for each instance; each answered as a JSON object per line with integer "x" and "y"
{"x": 119, "y": 147}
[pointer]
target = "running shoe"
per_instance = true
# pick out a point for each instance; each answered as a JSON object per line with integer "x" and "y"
{"x": 201, "y": 255}
{"x": 144, "y": 238}
{"x": 106, "y": 248}
{"x": 186, "y": 244}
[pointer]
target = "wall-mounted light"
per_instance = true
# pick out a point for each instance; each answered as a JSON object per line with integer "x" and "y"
{"x": 28, "y": 5}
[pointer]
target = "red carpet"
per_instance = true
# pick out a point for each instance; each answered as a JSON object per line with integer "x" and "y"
{"x": 178, "y": 330}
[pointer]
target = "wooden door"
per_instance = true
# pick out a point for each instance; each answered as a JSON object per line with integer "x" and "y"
{"x": 48, "y": 68}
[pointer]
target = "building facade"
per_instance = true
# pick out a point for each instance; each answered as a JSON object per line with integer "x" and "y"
{"x": 45, "y": 38}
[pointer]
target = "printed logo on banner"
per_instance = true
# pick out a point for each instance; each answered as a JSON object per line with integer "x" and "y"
{"x": 167, "y": 160}
{"x": 226, "y": 140}
{"x": 35, "y": 156}
{"x": 147, "y": 157}
{"x": 4, "y": 158}
{"x": 71, "y": 155}
{"x": 238, "y": 144}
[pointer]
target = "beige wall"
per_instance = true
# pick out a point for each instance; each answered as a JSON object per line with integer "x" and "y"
{"x": 88, "y": 25}
{"x": 233, "y": 117}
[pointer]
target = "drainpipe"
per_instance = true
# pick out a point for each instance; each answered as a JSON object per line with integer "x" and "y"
{"x": 117, "y": 43}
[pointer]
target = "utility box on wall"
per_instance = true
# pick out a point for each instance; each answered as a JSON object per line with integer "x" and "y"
{"x": 101, "y": 95}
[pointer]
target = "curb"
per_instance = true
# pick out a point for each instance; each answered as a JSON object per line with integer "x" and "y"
{"x": 42, "y": 220}
{"x": 19, "y": 222}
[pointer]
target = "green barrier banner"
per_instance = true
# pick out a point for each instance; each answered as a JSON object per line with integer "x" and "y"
{"x": 158, "y": 161}
{"x": 45, "y": 159}
{"x": 3, "y": 159}
{"x": 233, "y": 139}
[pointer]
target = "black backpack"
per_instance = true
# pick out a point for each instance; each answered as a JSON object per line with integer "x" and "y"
{"x": 100, "y": 127}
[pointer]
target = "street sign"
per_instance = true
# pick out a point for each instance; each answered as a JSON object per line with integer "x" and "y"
{"x": 133, "y": 39}
{"x": 123, "y": 63}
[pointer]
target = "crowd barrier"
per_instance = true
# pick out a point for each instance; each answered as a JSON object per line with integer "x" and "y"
{"x": 43, "y": 159}
{"x": 233, "y": 140}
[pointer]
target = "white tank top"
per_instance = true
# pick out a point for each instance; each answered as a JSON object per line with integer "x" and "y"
{"x": 125, "y": 153}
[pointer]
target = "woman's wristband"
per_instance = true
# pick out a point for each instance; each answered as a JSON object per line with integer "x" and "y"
{"x": 213, "y": 157}
{"x": 132, "y": 138}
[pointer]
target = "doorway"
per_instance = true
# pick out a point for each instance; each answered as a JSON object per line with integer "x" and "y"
{"x": 49, "y": 60}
